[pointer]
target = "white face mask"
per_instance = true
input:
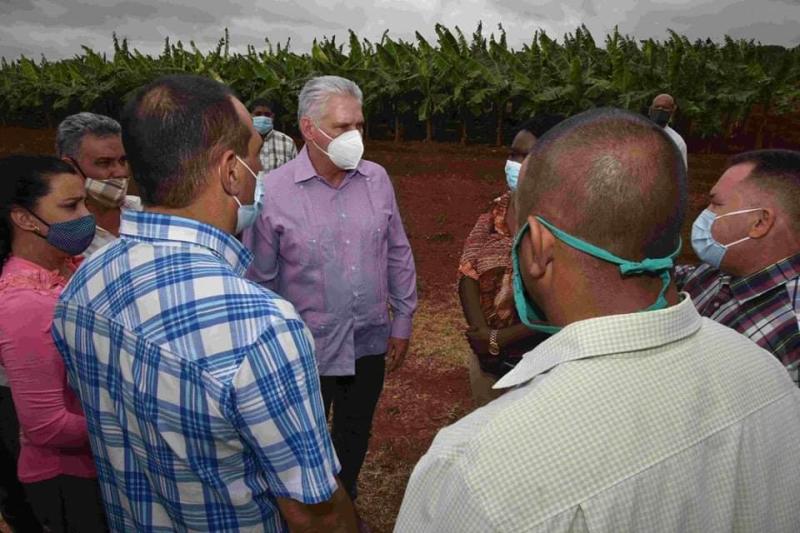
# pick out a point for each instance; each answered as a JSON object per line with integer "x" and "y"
{"x": 344, "y": 151}
{"x": 247, "y": 214}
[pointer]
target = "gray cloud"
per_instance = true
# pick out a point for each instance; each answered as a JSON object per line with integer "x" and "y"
{"x": 57, "y": 28}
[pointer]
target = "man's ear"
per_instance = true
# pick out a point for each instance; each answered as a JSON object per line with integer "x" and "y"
{"x": 307, "y": 128}
{"x": 541, "y": 248}
{"x": 763, "y": 224}
{"x": 225, "y": 168}
{"x": 26, "y": 221}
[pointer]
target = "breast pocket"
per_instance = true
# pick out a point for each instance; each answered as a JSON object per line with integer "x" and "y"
{"x": 297, "y": 247}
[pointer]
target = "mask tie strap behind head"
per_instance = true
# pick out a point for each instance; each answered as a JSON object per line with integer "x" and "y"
{"x": 661, "y": 266}
{"x": 532, "y": 316}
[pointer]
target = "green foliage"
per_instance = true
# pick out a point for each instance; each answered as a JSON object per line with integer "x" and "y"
{"x": 455, "y": 79}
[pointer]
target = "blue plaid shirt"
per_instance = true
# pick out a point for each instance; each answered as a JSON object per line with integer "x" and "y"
{"x": 200, "y": 388}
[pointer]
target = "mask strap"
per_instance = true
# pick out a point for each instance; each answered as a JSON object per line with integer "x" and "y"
{"x": 739, "y": 212}
{"x": 255, "y": 177}
{"x": 531, "y": 321}
{"x": 734, "y": 243}
{"x": 661, "y": 266}
{"x": 77, "y": 166}
{"x": 40, "y": 219}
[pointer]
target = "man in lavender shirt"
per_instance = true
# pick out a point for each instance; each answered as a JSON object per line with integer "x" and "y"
{"x": 330, "y": 240}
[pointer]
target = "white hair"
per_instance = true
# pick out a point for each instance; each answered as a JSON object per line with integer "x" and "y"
{"x": 73, "y": 128}
{"x": 316, "y": 91}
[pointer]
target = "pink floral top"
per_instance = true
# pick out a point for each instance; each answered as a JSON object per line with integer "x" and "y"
{"x": 54, "y": 439}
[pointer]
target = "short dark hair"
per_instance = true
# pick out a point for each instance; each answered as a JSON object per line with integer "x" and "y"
{"x": 610, "y": 177}
{"x": 263, "y": 102}
{"x": 541, "y": 123}
{"x": 776, "y": 172}
{"x": 23, "y": 181}
{"x": 171, "y": 129}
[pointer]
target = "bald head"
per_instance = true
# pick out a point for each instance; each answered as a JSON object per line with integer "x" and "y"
{"x": 610, "y": 177}
{"x": 664, "y": 101}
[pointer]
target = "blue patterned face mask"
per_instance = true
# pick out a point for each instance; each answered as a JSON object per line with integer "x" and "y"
{"x": 534, "y": 318}
{"x": 72, "y": 237}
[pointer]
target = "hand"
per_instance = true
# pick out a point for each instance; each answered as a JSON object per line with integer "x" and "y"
{"x": 478, "y": 339}
{"x": 396, "y": 353}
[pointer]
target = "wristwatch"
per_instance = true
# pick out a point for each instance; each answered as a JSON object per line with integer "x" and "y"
{"x": 494, "y": 348}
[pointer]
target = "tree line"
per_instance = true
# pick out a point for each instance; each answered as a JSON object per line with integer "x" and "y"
{"x": 470, "y": 89}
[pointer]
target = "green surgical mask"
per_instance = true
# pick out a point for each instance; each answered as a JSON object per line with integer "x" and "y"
{"x": 534, "y": 318}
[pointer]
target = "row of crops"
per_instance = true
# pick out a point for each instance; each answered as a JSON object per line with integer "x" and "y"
{"x": 473, "y": 88}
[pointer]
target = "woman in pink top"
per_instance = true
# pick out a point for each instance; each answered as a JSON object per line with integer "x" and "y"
{"x": 43, "y": 225}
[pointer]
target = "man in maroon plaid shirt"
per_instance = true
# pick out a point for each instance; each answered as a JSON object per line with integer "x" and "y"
{"x": 749, "y": 241}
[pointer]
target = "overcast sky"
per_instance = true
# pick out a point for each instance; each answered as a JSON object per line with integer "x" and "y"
{"x": 58, "y": 28}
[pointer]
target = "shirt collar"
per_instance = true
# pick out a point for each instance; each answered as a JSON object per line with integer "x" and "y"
{"x": 749, "y": 287}
{"x": 147, "y": 227}
{"x": 304, "y": 170}
{"x": 607, "y": 335}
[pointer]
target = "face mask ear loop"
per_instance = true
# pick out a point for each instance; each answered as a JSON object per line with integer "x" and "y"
{"x": 531, "y": 322}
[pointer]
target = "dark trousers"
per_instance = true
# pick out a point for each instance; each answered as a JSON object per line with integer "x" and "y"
{"x": 68, "y": 504}
{"x": 13, "y": 502}
{"x": 353, "y": 399}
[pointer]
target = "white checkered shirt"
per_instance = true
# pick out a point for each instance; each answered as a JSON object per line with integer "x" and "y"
{"x": 200, "y": 388}
{"x": 652, "y": 421}
{"x": 278, "y": 148}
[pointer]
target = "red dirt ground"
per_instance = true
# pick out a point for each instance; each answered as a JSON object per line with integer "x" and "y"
{"x": 441, "y": 189}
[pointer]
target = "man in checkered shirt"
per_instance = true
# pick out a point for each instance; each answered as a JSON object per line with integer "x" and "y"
{"x": 200, "y": 388}
{"x": 278, "y": 148}
{"x": 749, "y": 240}
{"x": 92, "y": 144}
{"x": 637, "y": 414}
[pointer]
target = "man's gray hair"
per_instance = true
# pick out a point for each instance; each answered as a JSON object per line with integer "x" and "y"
{"x": 316, "y": 91}
{"x": 74, "y": 127}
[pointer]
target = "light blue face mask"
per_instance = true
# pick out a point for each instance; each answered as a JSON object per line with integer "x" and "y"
{"x": 263, "y": 125}
{"x": 247, "y": 214}
{"x": 534, "y": 318}
{"x": 707, "y": 248}
{"x": 512, "y": 174}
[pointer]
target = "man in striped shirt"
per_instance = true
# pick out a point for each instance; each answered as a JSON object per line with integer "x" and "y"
{"x": 749, "y": 241}
{"x": 278, "y": 148}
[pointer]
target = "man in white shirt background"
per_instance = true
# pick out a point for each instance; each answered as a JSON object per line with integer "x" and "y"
{"x": 661, "y": 112}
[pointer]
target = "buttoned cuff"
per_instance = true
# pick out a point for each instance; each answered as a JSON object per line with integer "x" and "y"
{"x": 401, "y": 327}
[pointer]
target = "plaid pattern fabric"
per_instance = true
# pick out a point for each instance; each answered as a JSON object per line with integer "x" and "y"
{"x": 200, "y": 388}
{"x": 764, "y": 306}
{"x": 278, "y": 148}
{"x": 657, "y": 421}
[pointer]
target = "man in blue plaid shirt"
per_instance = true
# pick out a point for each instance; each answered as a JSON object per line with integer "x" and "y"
{"x": 200, "y": 388}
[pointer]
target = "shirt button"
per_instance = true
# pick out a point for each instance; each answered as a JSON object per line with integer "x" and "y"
{"x": 347, "y": 242}
{"x": 342, "y": 215}
{"x": 352, "y": 268}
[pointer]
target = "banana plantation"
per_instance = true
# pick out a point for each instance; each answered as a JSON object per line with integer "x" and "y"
{"x": 464, "y": 88}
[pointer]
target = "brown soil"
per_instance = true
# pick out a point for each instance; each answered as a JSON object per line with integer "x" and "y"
{"x": 441, "y": 189}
